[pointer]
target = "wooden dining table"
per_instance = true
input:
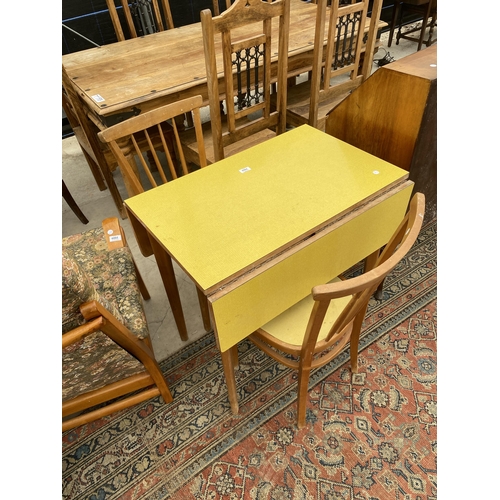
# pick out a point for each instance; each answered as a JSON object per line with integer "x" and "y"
{"x": 120, "y": 80}
{"x": 257, "y": 230}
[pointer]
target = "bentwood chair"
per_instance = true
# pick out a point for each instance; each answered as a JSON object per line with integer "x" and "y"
{"x": 337, "y": 67}
{"x": 108, "y": 362}
{"x": 158, "y": 132}
{"x": 247, "y": 79}
{"x": 139, "y": 18}
{"x": 313, "y": 331}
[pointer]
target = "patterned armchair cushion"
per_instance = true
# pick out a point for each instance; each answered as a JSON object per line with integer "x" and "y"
{"x": 76, "y": 289}
{"x": 112, "y": 275}
{"x": 94, "y": 362}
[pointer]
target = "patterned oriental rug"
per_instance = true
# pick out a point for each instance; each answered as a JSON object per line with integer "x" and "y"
{"x": 372, "y": 437}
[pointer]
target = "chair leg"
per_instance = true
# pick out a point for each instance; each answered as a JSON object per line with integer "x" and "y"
{"x": 302, "y": 395}
{"x": 354, "y": 342}
{"x": 424, "y": 25}
{"x": 379, "y": 292}
{"x": 395, "y": 13}
{"x": 370, "y": 263}
{"x": 72, "y": 204}
{"x": 148, "y": 342}
{"x": 96, "y": 171}
{"x": 142, "y": 286}
{"x": 202, "y": 300}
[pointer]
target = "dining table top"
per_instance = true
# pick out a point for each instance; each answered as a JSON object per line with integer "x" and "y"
{"x": 143, "y": 73}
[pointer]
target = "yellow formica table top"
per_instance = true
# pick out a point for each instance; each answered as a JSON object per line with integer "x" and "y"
{"x": 222, "y": 220}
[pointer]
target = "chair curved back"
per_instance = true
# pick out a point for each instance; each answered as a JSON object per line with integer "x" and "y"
{"x": 334, "y": 312}
{"x": 246, "y": 68}
{"x": 106, "y": 350}
{"x": 141, "y": 17}
{"x": 156, "y": 134}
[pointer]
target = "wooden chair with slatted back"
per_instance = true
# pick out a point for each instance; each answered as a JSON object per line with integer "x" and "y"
{"x": 337, "y": 67}
{"x": 144, "y": 168}
{"x": 149, "y": 17}
{"x": 316, "y": 329}
{"x": 249, "y": 119}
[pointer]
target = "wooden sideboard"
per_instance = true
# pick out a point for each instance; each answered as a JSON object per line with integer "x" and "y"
{"x": 393, "y": 116}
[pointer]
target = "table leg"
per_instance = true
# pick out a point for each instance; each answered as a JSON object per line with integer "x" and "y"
{"x": 227, "y": 363}
{"x": 395, "y": 12}
{"x": 424, "y": 25}
{"x": 371, "y": 260}
{"x": 202, "y": 299}
{"x": 164, "y": 262}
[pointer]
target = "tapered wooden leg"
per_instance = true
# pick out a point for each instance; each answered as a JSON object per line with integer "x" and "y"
{"x": 371, "y": 260}
{"x": 142, "y": 286}
{"x": 227, "y": 363}
{"x": 234, "y": 354}
{"x": 96, "y": 171}
{"x": 202, "y": 299}
{"x": 72, "y": 204}
{"x": 354, "y": 341}
{"x": 395, "y": 13}
{"x": 164, "y": 262}
{"x": 370, "y": 263}
{"x": 302, "y": 396}
{"x": 424, "y": 25}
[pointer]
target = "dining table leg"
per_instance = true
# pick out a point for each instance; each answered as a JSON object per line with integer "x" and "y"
{"x": 202, "y": 299}
{"x": 228, "y": 365}
{"x": 166, "y": 268}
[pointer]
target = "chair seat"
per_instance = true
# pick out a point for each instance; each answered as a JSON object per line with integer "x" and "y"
{"x": 188, "y": 139}
{"x": 299, "y": 99}
{"x": 290, "y": 326}
{"x": 93, "y": 363}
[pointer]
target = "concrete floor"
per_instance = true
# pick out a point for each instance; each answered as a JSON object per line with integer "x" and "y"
{"x": 98, "y": 205}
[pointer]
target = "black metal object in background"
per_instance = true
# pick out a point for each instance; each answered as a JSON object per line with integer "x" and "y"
{"x": 91, "y": 19}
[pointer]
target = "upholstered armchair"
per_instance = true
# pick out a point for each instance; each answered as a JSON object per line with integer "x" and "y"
{"x": 107, "y": 359}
